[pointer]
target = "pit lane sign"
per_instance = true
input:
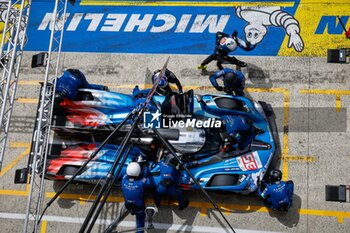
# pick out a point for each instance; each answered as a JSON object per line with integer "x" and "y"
{"x": 188, "y": 27}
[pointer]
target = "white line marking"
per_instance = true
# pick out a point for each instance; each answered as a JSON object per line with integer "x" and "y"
{"x": 129, "y": 224}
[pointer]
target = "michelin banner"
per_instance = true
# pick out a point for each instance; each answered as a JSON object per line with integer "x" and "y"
{"x": 284, "y": 28}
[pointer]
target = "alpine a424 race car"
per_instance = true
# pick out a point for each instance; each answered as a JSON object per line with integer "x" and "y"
{"x": 192, "y": 124}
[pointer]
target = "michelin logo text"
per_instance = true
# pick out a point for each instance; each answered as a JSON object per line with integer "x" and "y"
{"x": 140, "y": 22}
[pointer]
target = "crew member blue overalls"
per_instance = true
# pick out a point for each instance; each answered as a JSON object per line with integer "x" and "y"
{"x": 68, "y": 84}
{"x": 133, "y": 191}
{"x": 140, "y": 96}
{"x": 233, "y": 80}
{"x": 240, "y": 131}
{"x": 277, "y": 194}
{"x": 167, "y": 78}
{"x": 224, "y": 44}
{"x": 168, "y": 185}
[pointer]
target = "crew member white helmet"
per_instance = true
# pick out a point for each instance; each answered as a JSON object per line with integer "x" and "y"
{"x": 133, "y": 169}
{"x": 228, "y": 44}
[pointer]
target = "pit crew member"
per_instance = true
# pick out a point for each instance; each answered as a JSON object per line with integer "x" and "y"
{"x": 163, "y": 86}
{"x": 169, "y": 175}
{"x": 68, "y": 84}
{"x": 224, "y": 44}
{"x": 240, "y": 132}
{"x": 133, "y": 189}
{"x": 277, "y": 194}
{"x": 234, "y": 81}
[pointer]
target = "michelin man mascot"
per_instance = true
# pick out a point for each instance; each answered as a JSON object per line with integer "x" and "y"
{"x": 259, "y": 18}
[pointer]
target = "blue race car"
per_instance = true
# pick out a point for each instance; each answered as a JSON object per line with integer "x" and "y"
{"x": 196, "y": 132}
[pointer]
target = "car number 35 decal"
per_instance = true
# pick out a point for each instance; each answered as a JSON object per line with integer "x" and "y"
{"x": 249, "y": 162}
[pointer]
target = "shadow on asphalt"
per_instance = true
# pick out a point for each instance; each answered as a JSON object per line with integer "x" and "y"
{"x": 63, "y": 203}
{"x": 291, "y": 218}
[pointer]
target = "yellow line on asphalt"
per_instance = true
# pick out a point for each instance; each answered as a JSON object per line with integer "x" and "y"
{"x": 188, "y": 87}
{"x": 195, "y": 87}
{"x": 29, "y": 82}
{"x": 285, "y": 149}
{"x": 324, "y": 92}
{"x": 19, "y": 158}
{"x": 13, "y": 192}
{"x": 204, "y": 206}
{"x": 337, "y": 93}
{"x": 299, "y": 158}
{"x": 43, "y": 227}
{"x": 231, "y": 208}
{"x": 82, "y": 202}
{"x": 340, "y": 215}
{"x": 14, "y": 162}
{"x": 16, "y": 192}
{"x": 20, "y": 144}
{"x": 183, "y": 3}
{"x": 129, "y": 86}
{"x": 82, "y": 197}
{"x": 10, "y": 192}
{"x": 337, "y": 103}
{"x": 274, "y": 90}
{"x": 27, "y": 100}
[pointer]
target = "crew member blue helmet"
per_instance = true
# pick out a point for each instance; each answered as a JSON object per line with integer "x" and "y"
{"x": 230, "y": 79}
{"x": 163, "y": 80}
{"x": 275, "y": 175}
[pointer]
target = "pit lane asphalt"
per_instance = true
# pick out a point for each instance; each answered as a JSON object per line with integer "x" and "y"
{"x": 310, "y": 97}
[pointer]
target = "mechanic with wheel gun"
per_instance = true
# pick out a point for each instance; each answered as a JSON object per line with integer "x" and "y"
{"x": 277, "y": 194}
{"x": 167, "y": 78}
{"x": 169, "y": 175}
{"x": 233, "y": 80}
{"x": 224, "y": 44}
{"x": 240, "y": 131}
{"x": 133, "y": 184}
{"x": 68, "y": 84}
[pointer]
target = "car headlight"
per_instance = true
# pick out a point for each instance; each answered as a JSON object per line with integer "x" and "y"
{"x": 260, "y": 109}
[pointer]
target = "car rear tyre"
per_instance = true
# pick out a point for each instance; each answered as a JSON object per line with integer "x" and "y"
{"x": 267, "y": 108}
